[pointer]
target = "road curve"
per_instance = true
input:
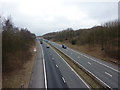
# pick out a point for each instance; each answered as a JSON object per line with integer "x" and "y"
{"x": 106, "y": 72}
{"x": 60, "y": 74}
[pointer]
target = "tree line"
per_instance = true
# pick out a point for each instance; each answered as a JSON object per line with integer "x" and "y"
{"x": 16, "y": 45}
{"x": 105, "y": 36}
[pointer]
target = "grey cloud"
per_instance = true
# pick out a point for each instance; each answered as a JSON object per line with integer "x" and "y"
{"x": 48, "y": 21}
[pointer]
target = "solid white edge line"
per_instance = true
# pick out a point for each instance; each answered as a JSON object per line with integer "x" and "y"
{"x": 44, "y": 69}
{"x": 72, "y": 69}
{"x": 87, "y": 70}
{"x": 63, "y": 79}
{"x": 108, "y": 74}
{"x": 96, "y": 61}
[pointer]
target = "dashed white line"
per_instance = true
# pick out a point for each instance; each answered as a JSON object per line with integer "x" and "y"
{"x": 63, "y": 79}
{"x": 73, "y": 70}
{"x": 105, "y": 65}
{"x": 108, "y": 74}
{"x": 86, "y": 56}
{"x": 97, "y": 61}
{"x": 89, "y": 63}
{"x": 57, "y": 66}
{"x": 87, "y": 71}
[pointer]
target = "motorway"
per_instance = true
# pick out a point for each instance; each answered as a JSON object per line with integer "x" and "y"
{"x": 106, "y": 72}
{"x": 58, "y": 73}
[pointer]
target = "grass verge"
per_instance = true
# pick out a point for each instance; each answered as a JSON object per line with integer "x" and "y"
{"x": 88, "y": 78}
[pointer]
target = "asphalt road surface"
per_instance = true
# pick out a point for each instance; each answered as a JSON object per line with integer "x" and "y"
{"x": 106, "y": 72}
{"x": 58, "y": 73}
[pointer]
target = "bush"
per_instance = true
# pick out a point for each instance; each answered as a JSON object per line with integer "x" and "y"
{"x": 16, "y": 46}
{"x": 73, "y": 42}
{"x": 105, "y": 36}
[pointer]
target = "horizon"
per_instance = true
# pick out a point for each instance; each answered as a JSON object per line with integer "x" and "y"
{"x": 58, "y": 15}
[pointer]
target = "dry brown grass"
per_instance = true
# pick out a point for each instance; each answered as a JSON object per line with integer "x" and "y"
{"x": 94, "y": 51}
{"x": 19, "y": 77}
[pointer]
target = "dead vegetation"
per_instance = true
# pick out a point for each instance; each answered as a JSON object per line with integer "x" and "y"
{"x": 17, "y": 54}
{"x": 99, "y": 41}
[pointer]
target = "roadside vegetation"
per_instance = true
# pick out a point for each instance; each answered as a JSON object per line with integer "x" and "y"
{"x": 99, "y": 41}
{"x": 17, "y": 51}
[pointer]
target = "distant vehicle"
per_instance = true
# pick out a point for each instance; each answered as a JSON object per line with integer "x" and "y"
{"x": 63, "y": 46}
{"x": 47, "y": 46}
{"x": 41, "y": 42}
{"x": 46, "y": 40}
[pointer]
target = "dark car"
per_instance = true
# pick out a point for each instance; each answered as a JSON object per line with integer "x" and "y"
{"x": 47, "y": 46}
{"x": 41, "y": 42}
{"x": 63, "y": 46}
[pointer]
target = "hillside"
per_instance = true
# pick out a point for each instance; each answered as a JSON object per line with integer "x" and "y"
{"x": 99, "y": 41}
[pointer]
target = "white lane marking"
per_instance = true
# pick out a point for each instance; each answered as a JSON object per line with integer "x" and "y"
{"x": 57, "y": 66}
{"x": 86, "y": 56}
{"x": 89, "y": 63}
{"x": 45, "y": 76}
{"x": 72, "y": 70}
{"x": 90, "y": 58}
{"x": 63, "y": 79}
{"x": 78, "y": 57}
{"x": 87, "y": 70}
{"x": 105, "y": 65}
{"x": 108, "y": 74}
{"x": 53, "y": 58}
{"x": 98, "y": 62}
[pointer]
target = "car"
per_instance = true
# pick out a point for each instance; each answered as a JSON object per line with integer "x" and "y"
{"x": 63, "y": 46}
{"x": 41, "y": 42}
{"x": 46, "y": 40}
{"x": 47, "y": 46}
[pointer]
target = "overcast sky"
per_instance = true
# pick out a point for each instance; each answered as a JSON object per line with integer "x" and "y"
{"x": 43, "y": 16}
